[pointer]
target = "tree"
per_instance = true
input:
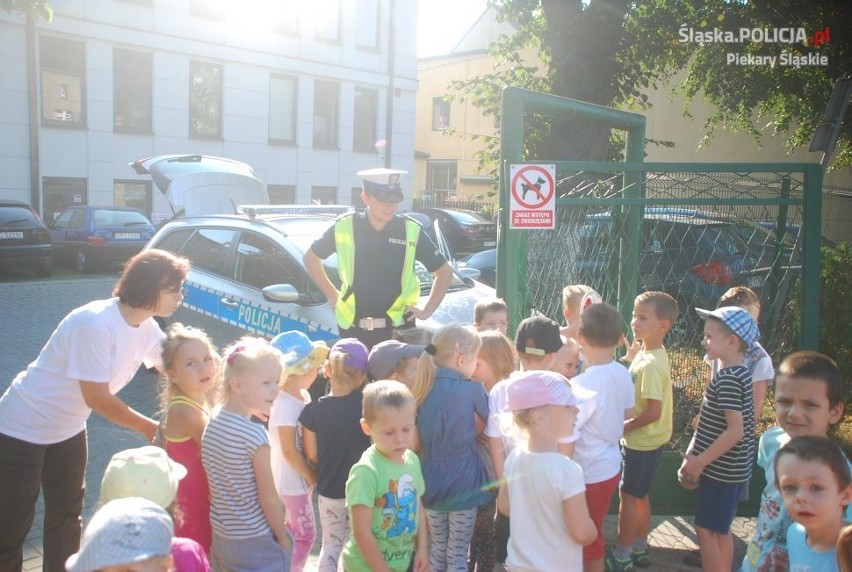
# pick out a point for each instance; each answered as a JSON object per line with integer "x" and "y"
{"x": 612, "y": 52}
{"x": 31, "y": 10}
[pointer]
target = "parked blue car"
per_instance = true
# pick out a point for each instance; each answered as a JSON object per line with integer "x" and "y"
{"x": 89, "y": 235}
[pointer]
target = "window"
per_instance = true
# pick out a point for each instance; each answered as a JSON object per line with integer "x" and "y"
{"x": 366, "y": 103}
{"x": 367, "y": 24}
{"x": 208, "y": 249}
{"x": 205, "y": 100}
{"x": 262, "y": 263}
{"x": 324, "y": 195}
{"x": 174, "y": 241}
{"x": 63, "y": 64}
{"x": 326, "y": 105}
{"x": 213, "y": 9}
{"x": 442, "y": 178}
{"x": 70, "y": 219}
{"x": 281, "y": 194}
{"x": 61, "y": 192}
{"x": 327, "y": 18}
{"x": 282, "y": 109}
{"x": 131, "y": 90}
{"x": 440, "y": 114}
{"x": 136, "y": 194}
{"x": 355, "y": 199}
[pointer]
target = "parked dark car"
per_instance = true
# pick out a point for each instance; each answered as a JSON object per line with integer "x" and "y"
{"x": 89, "y": 235}
{"x": 692, "y": 258}
{"x": 24, "y": 239}
{"x": 466, "y": 231}
{"x": 486, "y": 262}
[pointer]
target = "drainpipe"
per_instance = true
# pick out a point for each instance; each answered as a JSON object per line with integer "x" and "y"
{"x": 391, "y": 88}
{"x": 32, "y": 101}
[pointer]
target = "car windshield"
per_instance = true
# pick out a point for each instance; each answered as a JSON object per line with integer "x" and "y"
{"x": 302, "y": 232}
{"x": 467, "y": 217}
{"x": 107, "y": 217}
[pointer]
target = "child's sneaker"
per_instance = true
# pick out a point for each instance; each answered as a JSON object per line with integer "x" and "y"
{"x": 613, "y": 563}
{"x": 641, "y": 558}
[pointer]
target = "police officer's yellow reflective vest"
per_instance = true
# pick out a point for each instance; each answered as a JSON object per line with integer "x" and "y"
{"x": 409, "y": 295}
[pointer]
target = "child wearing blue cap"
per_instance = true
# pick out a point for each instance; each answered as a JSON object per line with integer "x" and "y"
{"x": 294, "y": 477}
{"x": 718, "y": 459}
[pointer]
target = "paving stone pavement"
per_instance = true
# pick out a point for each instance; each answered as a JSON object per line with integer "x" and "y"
{"x": 31, "y": 310}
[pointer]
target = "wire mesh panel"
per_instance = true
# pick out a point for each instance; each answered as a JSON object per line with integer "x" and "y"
{"x": 699, "y": 234}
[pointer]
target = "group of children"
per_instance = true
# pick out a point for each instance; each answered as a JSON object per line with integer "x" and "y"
{"x": 473, "y": 449}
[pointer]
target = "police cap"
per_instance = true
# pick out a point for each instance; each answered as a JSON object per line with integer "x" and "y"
{"x": 383, "y": 184}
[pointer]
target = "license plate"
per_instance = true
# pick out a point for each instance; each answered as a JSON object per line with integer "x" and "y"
{"x": 126, "y": 235}
{"x": 754, "y": 281}
{"x": 489, "y": 243}
{"x": 17, "y": 235}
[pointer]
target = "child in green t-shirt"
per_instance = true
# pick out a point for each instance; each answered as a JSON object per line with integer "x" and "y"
{"x": 384, "y": 488}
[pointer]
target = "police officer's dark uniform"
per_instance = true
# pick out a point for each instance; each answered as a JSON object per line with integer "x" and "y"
{"x": 378, "y": 262}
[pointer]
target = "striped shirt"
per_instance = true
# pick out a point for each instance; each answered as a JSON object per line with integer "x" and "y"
{"x": 730, "y": 390}
{"x": 227, "y": 448}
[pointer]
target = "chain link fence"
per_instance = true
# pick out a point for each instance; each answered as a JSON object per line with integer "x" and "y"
{"x": 701, "y": 234}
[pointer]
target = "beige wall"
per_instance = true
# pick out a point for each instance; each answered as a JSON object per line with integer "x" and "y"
{"x": 665, "y": 120}
{"x": 434, "y": 75}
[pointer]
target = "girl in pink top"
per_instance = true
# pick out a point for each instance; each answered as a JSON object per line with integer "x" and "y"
{"x": 190, "y": 363}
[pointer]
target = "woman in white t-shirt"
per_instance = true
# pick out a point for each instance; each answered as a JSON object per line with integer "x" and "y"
{"x": 93, "y": 353}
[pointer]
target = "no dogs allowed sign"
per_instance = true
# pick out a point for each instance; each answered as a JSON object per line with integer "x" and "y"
{"x": 532, "y": 203}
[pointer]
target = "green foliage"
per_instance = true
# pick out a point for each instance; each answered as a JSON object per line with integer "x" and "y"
{"x": 835, "y": 307}
{"x": 613, "y": 52}
{"x": 33, "y": 8}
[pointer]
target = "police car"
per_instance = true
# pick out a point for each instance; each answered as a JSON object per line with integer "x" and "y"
{"x": 248, "y": 277}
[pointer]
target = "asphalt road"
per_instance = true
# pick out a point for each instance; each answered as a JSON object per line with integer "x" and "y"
{"x": 31, "y": 310}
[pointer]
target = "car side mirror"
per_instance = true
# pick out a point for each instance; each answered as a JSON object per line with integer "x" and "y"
{"x": 283, "y": 293}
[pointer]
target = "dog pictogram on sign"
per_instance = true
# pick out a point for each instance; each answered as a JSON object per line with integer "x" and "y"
{"x": 533, "y": 196}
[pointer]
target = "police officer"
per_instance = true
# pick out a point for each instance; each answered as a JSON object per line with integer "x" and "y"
{"x": 376, "y": 250}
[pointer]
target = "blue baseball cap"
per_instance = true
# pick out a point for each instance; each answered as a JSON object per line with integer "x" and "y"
{"x": 737, "y": 319}
{"x": 299, "y": 351}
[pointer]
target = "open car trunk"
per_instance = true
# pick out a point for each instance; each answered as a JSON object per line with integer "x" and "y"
{"x": 203, "y": 184}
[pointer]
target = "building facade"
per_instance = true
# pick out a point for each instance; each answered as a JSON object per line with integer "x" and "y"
{"x": 306, "y": 93}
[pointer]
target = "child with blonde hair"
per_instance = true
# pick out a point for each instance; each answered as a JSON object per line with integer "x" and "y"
{"x": 190, "y": 370}
{"x": 572, "y": 296}
{"x": 844, "y": 549}
{"x": 333, "y": 441}
{"x": 543, "y": 490}
{"x": 294, "y": 477}
{"x": 245, "y": 511}
{"x": 497, "y": 360}
{"x": 384, "y": 488}
{"x": 452, "y": 412}
{"x": 567, "y": 358}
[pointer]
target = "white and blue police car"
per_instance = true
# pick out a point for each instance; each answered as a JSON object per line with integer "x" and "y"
{"x": 247, "y": 274}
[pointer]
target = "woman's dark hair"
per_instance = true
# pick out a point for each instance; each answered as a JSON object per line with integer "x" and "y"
{"x": 146, "y": 274}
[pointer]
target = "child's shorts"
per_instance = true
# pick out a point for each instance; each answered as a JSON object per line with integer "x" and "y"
{"x": 717, "y": 504}
{"x": 256, "y": 553}
{"x": 598, "y": 497}
{"x": 640, "y": 468}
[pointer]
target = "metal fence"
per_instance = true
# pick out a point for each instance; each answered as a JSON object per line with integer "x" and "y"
{"x": 692, "y": 230}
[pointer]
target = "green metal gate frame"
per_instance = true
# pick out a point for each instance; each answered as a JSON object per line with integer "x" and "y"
{"x": 628, "y": 208}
